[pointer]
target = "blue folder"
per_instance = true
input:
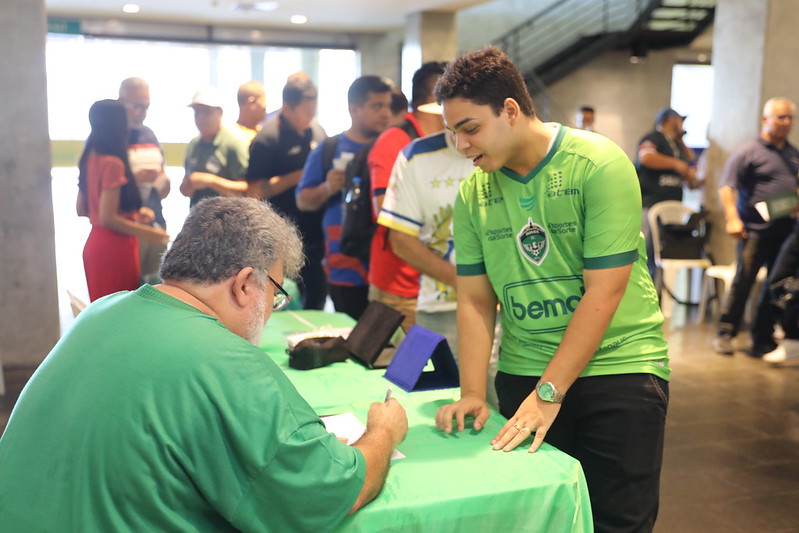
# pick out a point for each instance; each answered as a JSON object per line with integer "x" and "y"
{"x": 407, "y": 367}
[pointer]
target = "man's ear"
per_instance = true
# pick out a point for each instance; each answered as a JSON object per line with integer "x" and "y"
{"x": 512, "y": 109}
{"x": 244, "y": 286}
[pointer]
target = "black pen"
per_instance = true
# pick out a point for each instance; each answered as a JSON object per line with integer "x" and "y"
{"x": 388, "y": 395}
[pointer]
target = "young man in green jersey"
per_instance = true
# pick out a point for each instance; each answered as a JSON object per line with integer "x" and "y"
{"x": 549, "y": 226}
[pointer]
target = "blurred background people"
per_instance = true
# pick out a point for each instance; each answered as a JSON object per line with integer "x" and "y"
{"x": 392, "y": 281}
{"x": 146, "y": 160}
{"x": 663, "y": 162}
{"x": 369, "y": 104}
{"x": 108, "y": 195}
{"x": 277, "y": 156}
{"x": 584, "y": 119}
{"x": 762, "y": 167}
{"x": 252, "y": 109}
{"x": 216, "y": 160}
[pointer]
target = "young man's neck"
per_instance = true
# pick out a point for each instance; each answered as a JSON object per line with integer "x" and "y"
{"x": 532, "y": 145}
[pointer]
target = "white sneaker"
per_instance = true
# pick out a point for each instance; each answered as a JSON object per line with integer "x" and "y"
{"x": 788, "y": 349}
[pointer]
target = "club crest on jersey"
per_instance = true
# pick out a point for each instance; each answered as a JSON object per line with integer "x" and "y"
{"x": 533, "y": 242}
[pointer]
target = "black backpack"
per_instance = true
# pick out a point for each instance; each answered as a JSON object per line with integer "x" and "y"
{"x": 357, "y": 221}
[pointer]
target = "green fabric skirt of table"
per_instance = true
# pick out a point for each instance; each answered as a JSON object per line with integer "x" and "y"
{"x": 446, "y": 482}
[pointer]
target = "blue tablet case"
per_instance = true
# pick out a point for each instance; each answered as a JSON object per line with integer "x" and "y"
{"x": 407, "y": 367}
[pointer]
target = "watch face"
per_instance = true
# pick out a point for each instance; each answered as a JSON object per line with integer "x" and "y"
{"x": 546, "y": 390}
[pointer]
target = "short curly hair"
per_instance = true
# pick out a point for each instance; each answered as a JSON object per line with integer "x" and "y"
{"x": 485, "y": 77}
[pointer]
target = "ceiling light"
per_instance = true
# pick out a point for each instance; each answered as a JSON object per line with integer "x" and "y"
{"x": 254, "y": 6}
{"x": 131, "y": 8}
{"x": 299, "y": 19}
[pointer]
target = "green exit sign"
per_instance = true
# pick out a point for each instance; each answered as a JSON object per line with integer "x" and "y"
{"x": 63, "y": 26}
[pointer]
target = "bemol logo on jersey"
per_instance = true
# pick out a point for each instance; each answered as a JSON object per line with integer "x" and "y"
{"x": 533, "y": 242}
{"x": 543, "y": 305}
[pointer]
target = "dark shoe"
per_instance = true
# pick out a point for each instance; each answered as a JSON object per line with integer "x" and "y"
{"x": 722, "y": 344}
{"x": 760, "y": 349}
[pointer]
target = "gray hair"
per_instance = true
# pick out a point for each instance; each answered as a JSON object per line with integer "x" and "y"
{"x": 223, "y": 235}
{"x": 771, "y": 103}
{"x": 130, "y": 84}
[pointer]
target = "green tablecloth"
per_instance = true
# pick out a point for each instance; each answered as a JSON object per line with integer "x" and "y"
{"x": 446, "y": 483}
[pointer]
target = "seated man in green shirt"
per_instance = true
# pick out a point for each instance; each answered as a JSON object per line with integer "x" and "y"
{"x": 549, "y": 226}
{"x": 158, "y": 412}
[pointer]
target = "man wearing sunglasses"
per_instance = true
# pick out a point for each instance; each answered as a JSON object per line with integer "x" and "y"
{"x": 158, "y": 412}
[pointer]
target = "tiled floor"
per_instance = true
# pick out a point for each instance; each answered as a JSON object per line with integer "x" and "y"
{"x": 731, "y": 462}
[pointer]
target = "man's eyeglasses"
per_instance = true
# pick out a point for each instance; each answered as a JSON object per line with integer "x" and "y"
{"x": 282, "y": 298}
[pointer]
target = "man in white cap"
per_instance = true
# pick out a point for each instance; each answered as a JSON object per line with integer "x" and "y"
{"x": 216, "y": 160}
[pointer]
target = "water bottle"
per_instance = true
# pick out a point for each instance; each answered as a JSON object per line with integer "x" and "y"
{"x": 354, "y": 194}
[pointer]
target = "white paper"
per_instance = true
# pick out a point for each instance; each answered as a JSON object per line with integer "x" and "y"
{"x": 762, "y": 208}
{"x": 347, "y": 426}
{"x": 340, "y": 163}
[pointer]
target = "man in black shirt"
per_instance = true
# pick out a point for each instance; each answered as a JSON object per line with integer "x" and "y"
{"x": 663, "y": 162}
{"x": 277, "y": 157}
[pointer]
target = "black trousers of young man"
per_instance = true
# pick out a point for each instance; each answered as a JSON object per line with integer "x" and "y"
{"x": 614, "y": 425}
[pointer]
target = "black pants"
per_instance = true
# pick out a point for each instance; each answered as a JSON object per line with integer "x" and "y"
{"x": 350, "y": 300}
{"x": 787, "y": 265}
{"x": 753, "y": 252}
{"x": 614, "y": 425}
{"x": 313, "y": 281}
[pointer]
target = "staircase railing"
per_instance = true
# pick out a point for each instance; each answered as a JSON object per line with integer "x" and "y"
{"x": 562, "y": 24}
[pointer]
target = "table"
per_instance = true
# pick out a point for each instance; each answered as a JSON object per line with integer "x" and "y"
{"x": 446, "y": 483}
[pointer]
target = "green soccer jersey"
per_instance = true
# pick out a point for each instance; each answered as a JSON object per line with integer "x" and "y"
{"x": 534, "y": 235}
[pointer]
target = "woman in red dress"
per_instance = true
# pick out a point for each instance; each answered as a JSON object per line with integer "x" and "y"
{"x": 108, "y": 195}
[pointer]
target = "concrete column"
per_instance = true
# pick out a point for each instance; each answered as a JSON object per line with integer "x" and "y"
{"x": 28, "y": 293}
{"x": 381, "y": 54}
{"x": 754, "y": 55}
{"x": 429, "y": 36}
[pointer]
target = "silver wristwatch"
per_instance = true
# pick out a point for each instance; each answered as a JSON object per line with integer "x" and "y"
{"x": 547, "y": 392}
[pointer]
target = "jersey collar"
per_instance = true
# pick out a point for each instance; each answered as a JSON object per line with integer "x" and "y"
{"x": 554, "y": 145}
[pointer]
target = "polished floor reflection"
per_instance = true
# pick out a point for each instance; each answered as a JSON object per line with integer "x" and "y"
{"x": 731, "y": 461}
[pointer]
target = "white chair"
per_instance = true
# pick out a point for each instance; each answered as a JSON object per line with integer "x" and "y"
{"x": 725, "y": 274}
{"x": 670, "y": 212}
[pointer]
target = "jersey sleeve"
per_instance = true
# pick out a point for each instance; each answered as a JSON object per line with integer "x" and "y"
{"x": 612, "y": 199}
{"x": 468, "y": 248}
{"x": 401, "y": 206}
{"x": 312, "y": 173}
